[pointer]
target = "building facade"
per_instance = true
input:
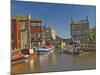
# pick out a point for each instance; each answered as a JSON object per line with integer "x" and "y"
{"x": 36, "y": 27}
{"x": 28, "y": 33}
{"x": 79, "y": 29}
{"x": 15, "y": 34}
{"x": 23, "y": 29}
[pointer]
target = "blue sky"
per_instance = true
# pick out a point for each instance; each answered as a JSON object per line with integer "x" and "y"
{"x": 57, "y": 16}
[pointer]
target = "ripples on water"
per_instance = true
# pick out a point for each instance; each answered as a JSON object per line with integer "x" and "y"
{"x": 55, "y": 61}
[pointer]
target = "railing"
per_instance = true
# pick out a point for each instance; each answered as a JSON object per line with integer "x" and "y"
{"x": 88, "y": 47}
{"x": 15, "y": 52}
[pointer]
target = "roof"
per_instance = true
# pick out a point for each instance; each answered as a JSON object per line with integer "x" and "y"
{"x": 79, "y": 22}
{"x": 20, "y": 17}
{"x": 36, "y": 20}
{"x": 75, "y": 22}
{"x": 83, "y": 21}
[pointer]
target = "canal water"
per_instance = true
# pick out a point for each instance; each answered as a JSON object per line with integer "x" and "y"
{"x": 56, "y": 61}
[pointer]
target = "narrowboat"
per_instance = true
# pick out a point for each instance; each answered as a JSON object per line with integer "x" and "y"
{"x": 16, "y": 55}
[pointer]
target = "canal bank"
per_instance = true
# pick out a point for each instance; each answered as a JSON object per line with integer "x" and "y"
{"x": 55, "y": 61}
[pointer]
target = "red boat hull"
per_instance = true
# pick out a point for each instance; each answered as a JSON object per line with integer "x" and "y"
{"x": 32, "y": 54}
{"x": 13, "y": 58}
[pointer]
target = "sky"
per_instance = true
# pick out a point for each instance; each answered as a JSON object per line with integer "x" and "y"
{"x": 57, "y": 16}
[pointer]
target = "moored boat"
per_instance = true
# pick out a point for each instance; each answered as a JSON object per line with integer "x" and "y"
{"x": 29, "y": 52}
{"x": 71, "y": 49}
{"x": 16, "y": 55}
{"x": 44, "y": 50}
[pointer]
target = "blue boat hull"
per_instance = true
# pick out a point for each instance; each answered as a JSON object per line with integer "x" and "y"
{"x": 44, "y": 50}
{"x": 41, "y": 51}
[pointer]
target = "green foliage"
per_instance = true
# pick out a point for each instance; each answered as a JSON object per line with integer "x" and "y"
{"x": 91, "y": 35}
{"x": 49, "y": 39}
{"x": 58, "y": 45}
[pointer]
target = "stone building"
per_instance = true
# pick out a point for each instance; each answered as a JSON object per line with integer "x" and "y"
{"x": 79, "y": 29}
{"x": 81, "y": 32}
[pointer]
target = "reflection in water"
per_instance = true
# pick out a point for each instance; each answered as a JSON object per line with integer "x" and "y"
{"x": 55, "y": 62}
{"x": 85, "y": 61}
{"x": 52, "y": 58}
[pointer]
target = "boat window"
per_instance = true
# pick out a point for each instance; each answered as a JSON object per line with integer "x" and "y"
{"x": 19, "y": 52}
{"x": 11, "y": 53}
{"x": 16, "y": 52}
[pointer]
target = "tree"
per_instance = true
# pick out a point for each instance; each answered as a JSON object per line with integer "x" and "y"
{"x": 91, "y": 34}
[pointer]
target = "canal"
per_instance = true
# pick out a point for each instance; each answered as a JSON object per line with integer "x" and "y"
{"x": 56, "y": 61}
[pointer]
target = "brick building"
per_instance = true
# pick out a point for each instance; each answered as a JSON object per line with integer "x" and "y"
{"x": 22, "y": 29}
{"x": 15, "y": 34}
